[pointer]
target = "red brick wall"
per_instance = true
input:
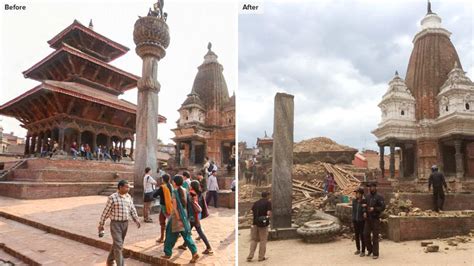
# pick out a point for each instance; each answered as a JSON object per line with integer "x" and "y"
{"x": 226, "y": 199}
{"x": 415, "y": 228}
{"x": 452, "y": 201}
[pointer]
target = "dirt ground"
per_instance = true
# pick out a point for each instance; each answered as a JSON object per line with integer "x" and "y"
{"x": 341, "y": 252}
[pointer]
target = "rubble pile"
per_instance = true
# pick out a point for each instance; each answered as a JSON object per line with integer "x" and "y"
{"x": 309, "y": 171}
{"x": 319, "y": 144}
{"x": 246, "y": 192}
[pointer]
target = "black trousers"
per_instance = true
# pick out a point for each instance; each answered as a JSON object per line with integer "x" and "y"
{"x": 372, "y": 226}
{"x": 359, "y": 234}
{"x": 211, "y": 195}
{"x": 438, "y": 198}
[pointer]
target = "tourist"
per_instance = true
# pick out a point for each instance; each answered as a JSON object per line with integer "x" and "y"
{"x": 331, "y": 183}
{"x": 149, "y": 184}
{"x": 178, "y": 223}
{"x": 83, "y": 151}
{"x": 358, "y": 221}
{"x": 120, "y": 209}
{"x": 164, "y": 192}
{"x": 54, "y": 150}
{"x": 212, "y": 188}
{"x": 74, "y": 150}
{"x": 438, "y": 181}
{"x": 44, "y": 150}
{"x": 106, "y": 153}
{"x": 88, "y": 152}
{"x": 100, "y": 153}
{"x": 206, "y": 165}
{"x": 373, "y": 205}
{"x": 187, "y": 180}
{"x": 194, "y": 214}
{"x": 261, "y": 210}
{"x": 232, "y": 185}
{"x": 326, "y": 182}
{"x": 112, "y": 154}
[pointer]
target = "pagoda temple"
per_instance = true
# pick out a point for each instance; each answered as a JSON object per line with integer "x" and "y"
{"x": 206, "y": 126}
{"x": 429, "y": 116}
{"x": 77, "y": 99}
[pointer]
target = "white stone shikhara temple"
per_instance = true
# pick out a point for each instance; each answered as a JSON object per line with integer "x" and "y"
{"x": 429, "y": 116}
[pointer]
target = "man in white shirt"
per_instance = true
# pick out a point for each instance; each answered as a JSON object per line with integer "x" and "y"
{"x": 212, "y": 188}
{"x": 149, "y": 184}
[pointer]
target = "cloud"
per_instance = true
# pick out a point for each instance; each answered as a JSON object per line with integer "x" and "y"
{"x": 337, "y": 58}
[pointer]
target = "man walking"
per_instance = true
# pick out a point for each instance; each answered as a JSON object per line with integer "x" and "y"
{"x": 373, "y": 206}
{"x": 437, "y": 180}
{"x": 120, "y": 209}
{"x": 261, "y": 210}
{"x": 212, "y": 188}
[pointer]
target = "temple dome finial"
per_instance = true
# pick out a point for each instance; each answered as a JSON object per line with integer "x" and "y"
{"x": 209, "y": 46}
{"x": 429, "y": 8}
{"x": 396, "y": 72}
{"x": 91, "y": 26}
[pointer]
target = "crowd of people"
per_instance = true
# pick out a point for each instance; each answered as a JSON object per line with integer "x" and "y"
{"x": 85, "y": 151}
{"x": 183, "y": 202}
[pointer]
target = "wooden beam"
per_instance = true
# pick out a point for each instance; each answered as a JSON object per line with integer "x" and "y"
{"x": 96, "y": 73}
{"x": 50, "y": 104}
{"x": 70, "y": 106}
{"x": 127, "y": 120}
{"x": 86, "y": 109}
{"x": 101, "y": 113}
{"x": 58, "y": 102}
{"x": 38, "y": 114}
{"x": 73, "y": 66}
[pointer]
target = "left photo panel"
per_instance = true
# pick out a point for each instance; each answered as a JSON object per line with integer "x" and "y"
{"x": 118, "y": 132}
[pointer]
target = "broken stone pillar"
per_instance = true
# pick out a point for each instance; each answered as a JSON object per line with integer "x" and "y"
{"x": 459, "y": 159}
{"x": 282, "y": 160}
{"x": 151, "y": 36}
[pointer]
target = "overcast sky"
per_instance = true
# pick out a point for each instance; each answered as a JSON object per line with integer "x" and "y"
{"x": 337, "y": 58}
{"x": 24, "y": 36}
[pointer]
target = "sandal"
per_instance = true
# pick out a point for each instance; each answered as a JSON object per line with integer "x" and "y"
{"x": 166, "y": 257}
{"x": 208, "y": 251}
{"x": 160, "y": 240}
{"x": 183, "y": 247}
{"x": 195, "y": 258}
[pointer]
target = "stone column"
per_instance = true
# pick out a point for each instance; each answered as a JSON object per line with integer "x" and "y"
{"x": 79, "y": 139}
{"x": 61, "y": 139}
{"x": 151, "y": 36}
{"x": 94, "y": 141}
{"x": 39, "y": 143}
{"x": 131, "y": 148}
{"x": 45, "y": 138}
{"x": 392, "y": 160}
{"x": 282, "y": 160}
{"x": 382, "y": 159}
{"x": 193, "y": 152}
{"x": 401, "y": 161}
{"x": 178, "y": 153}
{"x": 109, "y": 142}
{"x": 33, "y": 144}
{"x": 27, "y": 144}
{"x": 459, "y": 159}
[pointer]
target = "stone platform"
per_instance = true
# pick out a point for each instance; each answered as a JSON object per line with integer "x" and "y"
{"x": 46, "y": 178}
{"x": 423, "y": 227}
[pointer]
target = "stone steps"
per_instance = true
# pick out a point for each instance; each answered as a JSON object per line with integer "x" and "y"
{"x": 49, "y": 249}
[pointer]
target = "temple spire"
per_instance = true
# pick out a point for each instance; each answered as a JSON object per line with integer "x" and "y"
{"x": 209, "y": 46}
{"x": 429, "y": 8}
{"x": 91, "y": 26}
{"x": 396, "y": 72}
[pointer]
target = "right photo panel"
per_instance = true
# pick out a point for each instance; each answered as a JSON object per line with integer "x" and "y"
{"x": 356, "y": 133}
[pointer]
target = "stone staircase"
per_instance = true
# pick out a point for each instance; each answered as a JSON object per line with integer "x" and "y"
{"x": 45, "y": 178}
